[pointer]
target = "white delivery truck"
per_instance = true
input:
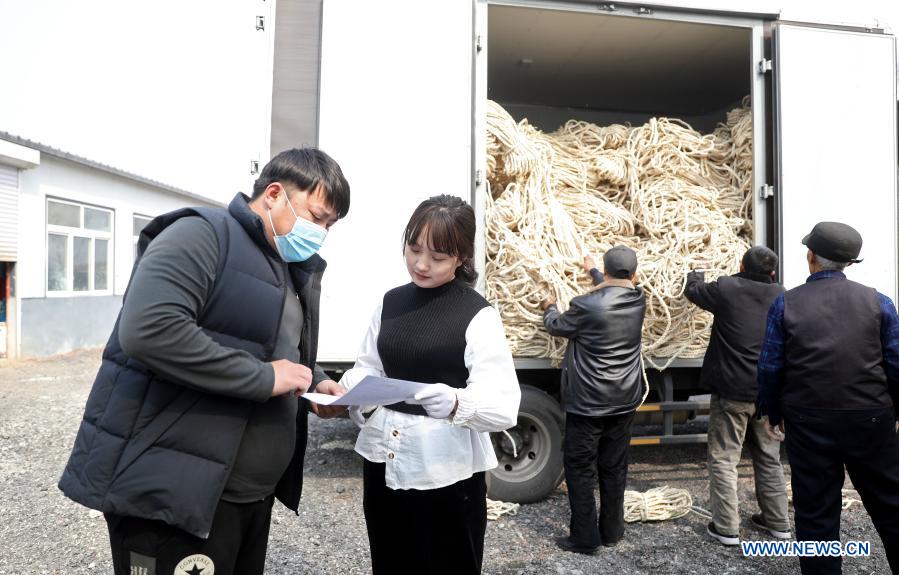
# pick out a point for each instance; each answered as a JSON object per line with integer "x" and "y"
{"x": 400, "y": 95}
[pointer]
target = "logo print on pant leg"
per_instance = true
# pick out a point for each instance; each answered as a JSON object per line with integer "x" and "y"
{"x": 195, "y": 565}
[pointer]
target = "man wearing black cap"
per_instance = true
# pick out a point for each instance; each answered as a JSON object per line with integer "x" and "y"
{"x": 739, "y": 303}
{"x": 829, "y": 374}
{"x": 601, "y": 390}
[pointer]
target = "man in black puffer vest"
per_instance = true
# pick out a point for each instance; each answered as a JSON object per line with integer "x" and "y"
{"x": 602, "y": 387}
{"x": 193, "y": 425}
{"x": 740, "y": 305}
{"x": 829, "y": 368}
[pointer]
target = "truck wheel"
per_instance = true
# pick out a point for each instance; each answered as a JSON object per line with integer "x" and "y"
{"x": 532, "y": 468}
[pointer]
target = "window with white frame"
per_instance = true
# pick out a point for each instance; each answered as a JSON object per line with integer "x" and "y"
{"x": 138, "y": 223}
{"x": 79, "y": 248}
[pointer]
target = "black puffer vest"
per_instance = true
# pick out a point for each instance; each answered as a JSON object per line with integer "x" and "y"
{"x": 154, "y": 449}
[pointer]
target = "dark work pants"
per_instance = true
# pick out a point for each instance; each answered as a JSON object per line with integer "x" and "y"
{"x": 425, "y": 532}
{"x": 595, "y": 450}
{"x": 819, "y": 444}
{"x": 236, "y": 545}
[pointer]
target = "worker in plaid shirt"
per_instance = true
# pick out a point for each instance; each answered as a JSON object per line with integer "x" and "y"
{"x": 828, "y": 378}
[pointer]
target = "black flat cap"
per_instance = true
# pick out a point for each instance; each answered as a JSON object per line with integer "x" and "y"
{"x": 835, "y": 241}
{"x": 620, "y": 262}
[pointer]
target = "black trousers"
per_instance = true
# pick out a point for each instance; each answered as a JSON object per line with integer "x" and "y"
{"x": 236, "y": 545}
{"x": 595, "y": 451}
{"x": 820, "y": 443}
{"x": 425, "y": 532}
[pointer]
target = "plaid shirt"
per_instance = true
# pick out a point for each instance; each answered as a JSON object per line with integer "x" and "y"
{"x": 771, "y": 360}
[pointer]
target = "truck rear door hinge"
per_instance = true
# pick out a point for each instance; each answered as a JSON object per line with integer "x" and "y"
{"x": 765, "y": 66}
{"x": 766, "y": 191}
{"x": 254, "y": 167}
{"x": 260, "y": 22}
{"x": 478, "y": 177}
{"x": 477, "y": 43}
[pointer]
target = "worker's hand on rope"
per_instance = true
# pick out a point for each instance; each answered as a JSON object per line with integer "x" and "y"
{"x": 438, "y": 399}
{"x": 589, "y": 263}
{"x": 548, "y": 301}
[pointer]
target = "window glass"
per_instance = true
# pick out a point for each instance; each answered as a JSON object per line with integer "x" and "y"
{"x": 99, "y": 220}
{"x": 57, "y": 263}
{"x": 81, "y": 264}
{"x": 138, "y": 224}
{"x": 63, "y": 214}
{"x": 101, "y": 264}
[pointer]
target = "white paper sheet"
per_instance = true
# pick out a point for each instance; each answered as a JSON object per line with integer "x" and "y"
{"x": 371, "y": 390}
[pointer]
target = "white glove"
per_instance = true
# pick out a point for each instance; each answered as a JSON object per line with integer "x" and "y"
{"x": 355, "y": 413}
{"x": 438, "y": 399}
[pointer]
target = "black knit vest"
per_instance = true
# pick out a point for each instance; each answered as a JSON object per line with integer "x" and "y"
{"x": 422, "y": 336}
{"x": 834, "y": 358}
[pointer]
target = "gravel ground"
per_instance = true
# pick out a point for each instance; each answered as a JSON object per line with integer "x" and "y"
{"x": 42, "y": 532}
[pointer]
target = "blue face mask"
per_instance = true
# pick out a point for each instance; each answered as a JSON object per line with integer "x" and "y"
{"x": 301, "y": 242}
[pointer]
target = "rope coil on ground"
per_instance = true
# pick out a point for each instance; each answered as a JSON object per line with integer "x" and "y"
{"x": 496, "y": 509}
{"x": 657, "y": 504}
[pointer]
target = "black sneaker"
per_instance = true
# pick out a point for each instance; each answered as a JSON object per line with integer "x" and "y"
{"x": 729, "y": 540}
{"x": 566, "y": 544}
{"x": 759, "y": 523}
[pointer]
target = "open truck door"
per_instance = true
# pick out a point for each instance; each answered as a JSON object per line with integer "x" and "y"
{"x": 835, "y": 145}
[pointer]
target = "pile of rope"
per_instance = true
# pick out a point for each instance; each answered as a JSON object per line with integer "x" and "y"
{"x": 657, "y": 504}
{"x": 496, "y": 509}
{"x": 681, "y": 199}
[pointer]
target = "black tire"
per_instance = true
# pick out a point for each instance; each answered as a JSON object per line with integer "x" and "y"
{"x": 532, "y": 470}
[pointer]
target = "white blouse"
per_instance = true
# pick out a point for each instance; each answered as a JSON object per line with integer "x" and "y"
{"x": 425, "y": 453}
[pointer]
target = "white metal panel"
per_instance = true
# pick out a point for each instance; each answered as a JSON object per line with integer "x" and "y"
{"x": 395, "y": 112}
{"x": 836, "y": 113}
{"x": 9, "y": 213}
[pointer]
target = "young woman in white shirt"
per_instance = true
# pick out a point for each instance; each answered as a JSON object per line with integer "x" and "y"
{"x": 424, "y": 460}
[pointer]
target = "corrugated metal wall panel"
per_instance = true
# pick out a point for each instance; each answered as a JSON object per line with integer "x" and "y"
{"x": 9, "y": 213}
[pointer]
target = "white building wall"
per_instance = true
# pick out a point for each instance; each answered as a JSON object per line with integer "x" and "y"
{"x": 67, "y": 180}
{"x": 51, "y": 323}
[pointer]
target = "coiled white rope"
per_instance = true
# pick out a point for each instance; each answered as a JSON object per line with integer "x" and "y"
{"x": 662, "y": 503}
{"x": 681, "y": 199}
{"x": 496, "y": 509}
{"x": 657, "y": 504}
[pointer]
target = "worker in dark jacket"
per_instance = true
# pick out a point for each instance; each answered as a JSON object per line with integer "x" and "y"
{"x": 193, "y": 426}
{"x": 601, "y": 389}
{"x": 829, "y": 377}
{"x": 740, "y": 305}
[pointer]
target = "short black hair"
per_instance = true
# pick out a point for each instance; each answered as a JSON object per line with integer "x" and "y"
{"x": 307, "y": 169}
{"x": 759, "y": 260}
